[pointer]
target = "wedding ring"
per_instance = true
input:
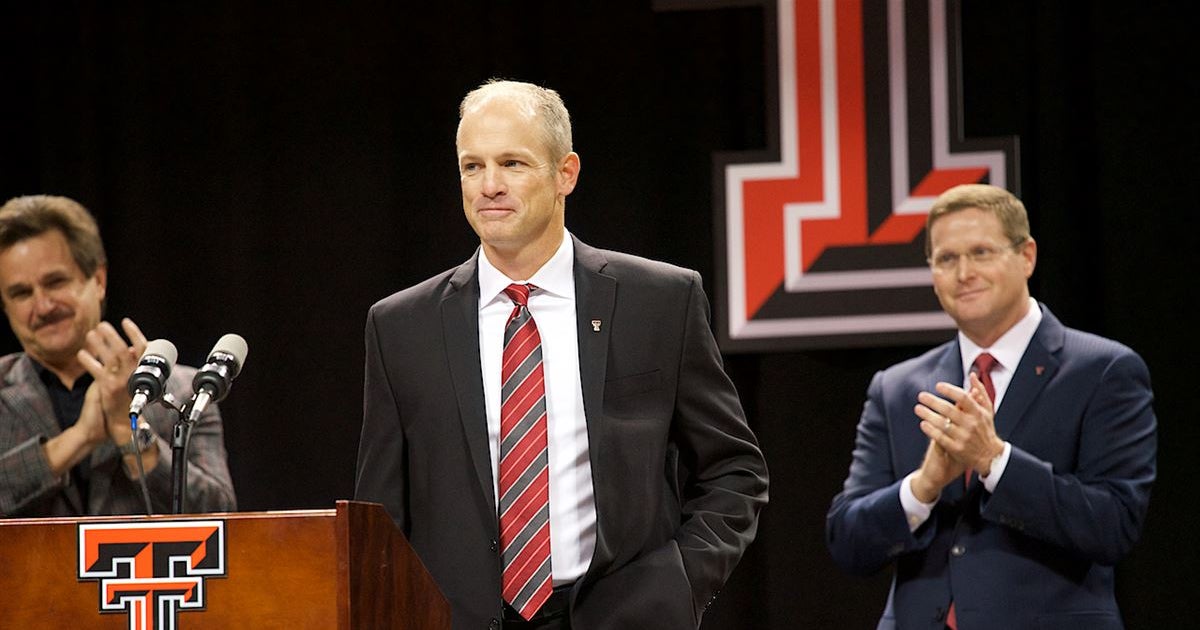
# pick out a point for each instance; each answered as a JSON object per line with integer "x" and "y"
{"x": 946, "y": 427}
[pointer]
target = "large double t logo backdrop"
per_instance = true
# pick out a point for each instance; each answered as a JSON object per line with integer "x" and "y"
{"x": 822, "y": 234}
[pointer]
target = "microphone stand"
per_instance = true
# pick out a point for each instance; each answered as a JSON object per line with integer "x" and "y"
{"x": 179, "y": 443}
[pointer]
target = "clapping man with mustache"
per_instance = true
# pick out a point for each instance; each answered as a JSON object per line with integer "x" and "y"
{"x": 65, "y": 433}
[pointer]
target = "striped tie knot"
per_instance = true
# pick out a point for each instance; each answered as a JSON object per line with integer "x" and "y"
{"x": 519, "y": 293}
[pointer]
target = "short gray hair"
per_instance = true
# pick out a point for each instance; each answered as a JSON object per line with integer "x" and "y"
{"x": 544, "y": 103}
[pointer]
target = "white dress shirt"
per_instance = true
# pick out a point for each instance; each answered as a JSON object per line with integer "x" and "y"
{"x": 572, "y": 505}
{"x": 1007, "y": 351}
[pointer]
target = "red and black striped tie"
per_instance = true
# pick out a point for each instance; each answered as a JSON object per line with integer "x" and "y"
{"x": 524, "y": 463}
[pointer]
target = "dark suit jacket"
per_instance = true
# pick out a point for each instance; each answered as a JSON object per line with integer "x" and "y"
{"x": 678, "y": 476}
{"x": 29, "y": 489}
{"x": 1039, "y": 552}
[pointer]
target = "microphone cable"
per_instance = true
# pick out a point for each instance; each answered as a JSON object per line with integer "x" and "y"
{"x": 140, "y": 425}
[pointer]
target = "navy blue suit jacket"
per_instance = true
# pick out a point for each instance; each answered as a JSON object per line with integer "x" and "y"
{"x": 1040, "y": 551}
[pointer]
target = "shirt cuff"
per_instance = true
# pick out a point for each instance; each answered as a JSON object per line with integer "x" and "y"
{"x": 915, "y": 511}
{"x": 997, "y": 469}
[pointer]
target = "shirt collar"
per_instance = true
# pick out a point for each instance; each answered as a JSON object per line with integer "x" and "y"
{"x": 554, "y": 277}
{"x": 1010, "y": 346}
{"x": 51, "y": 380}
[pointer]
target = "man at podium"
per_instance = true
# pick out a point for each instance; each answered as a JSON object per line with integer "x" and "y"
{"x": 65, "y": 435}
{"x": 550, "y": 423}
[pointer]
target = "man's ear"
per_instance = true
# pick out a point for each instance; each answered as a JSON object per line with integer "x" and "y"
{"x": 1029, "y": 253}
{"x": 568, "y": 173}
{"x": 101, "y": 278}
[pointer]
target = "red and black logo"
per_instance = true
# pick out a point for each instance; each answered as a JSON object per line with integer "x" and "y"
{"x": 152, "y": 571}
{"x": 822, "y": 234}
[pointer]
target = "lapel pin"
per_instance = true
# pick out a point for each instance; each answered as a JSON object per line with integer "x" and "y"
{"x": 595, "y": 325}
{"x": 1039, "y": 369}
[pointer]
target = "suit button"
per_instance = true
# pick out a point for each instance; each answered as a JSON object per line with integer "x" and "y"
{"x": 494, "y": 624}
{"x": 495, "y": 545}
{"x": 958, "y": 550}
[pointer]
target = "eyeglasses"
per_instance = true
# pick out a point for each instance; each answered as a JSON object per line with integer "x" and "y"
{"x": 947, "y": 262}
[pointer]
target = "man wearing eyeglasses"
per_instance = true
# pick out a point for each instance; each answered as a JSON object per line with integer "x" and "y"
{"x": 1005, "y": 472}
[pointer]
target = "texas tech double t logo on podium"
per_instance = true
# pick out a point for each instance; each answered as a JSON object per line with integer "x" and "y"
{"x": 342, "y": 569}
{"x": 152, "y": 570}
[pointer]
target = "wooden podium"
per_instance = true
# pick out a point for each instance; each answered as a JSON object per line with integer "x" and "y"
{"x": 347, "y": 568}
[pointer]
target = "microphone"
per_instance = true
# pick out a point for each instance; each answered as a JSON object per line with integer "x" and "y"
{"x": 212, "y": 382}
{"x": 150, "y": 377}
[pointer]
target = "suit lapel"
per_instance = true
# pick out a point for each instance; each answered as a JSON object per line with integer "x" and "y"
{"x": 1038, "y": 365}
{"x": 460, "y": 329}
{"x": 948, "y": 370}
{"x": 26, "y": 395}
{"x": 595, "y": 299}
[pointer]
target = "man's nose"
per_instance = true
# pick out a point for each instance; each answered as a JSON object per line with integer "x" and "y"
{"x": 43, "y": 302}
{"x": 493, "y": 182}
{"x": 964, "y": 267}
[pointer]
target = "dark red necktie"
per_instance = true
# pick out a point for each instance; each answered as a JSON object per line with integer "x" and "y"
{"x": 982, "y": 367}
{"x": 524, "y": 463}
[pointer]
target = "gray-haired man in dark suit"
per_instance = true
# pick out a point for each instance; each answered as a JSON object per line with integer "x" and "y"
{"x": 655, "y": 481}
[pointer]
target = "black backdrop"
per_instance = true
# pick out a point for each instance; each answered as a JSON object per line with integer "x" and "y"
{"x": 274, "y": 171}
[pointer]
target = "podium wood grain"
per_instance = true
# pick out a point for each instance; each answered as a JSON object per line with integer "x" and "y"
{"x": 347, "y": 568}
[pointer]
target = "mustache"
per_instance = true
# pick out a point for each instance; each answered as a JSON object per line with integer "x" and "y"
{"x": 53, "y": 317}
